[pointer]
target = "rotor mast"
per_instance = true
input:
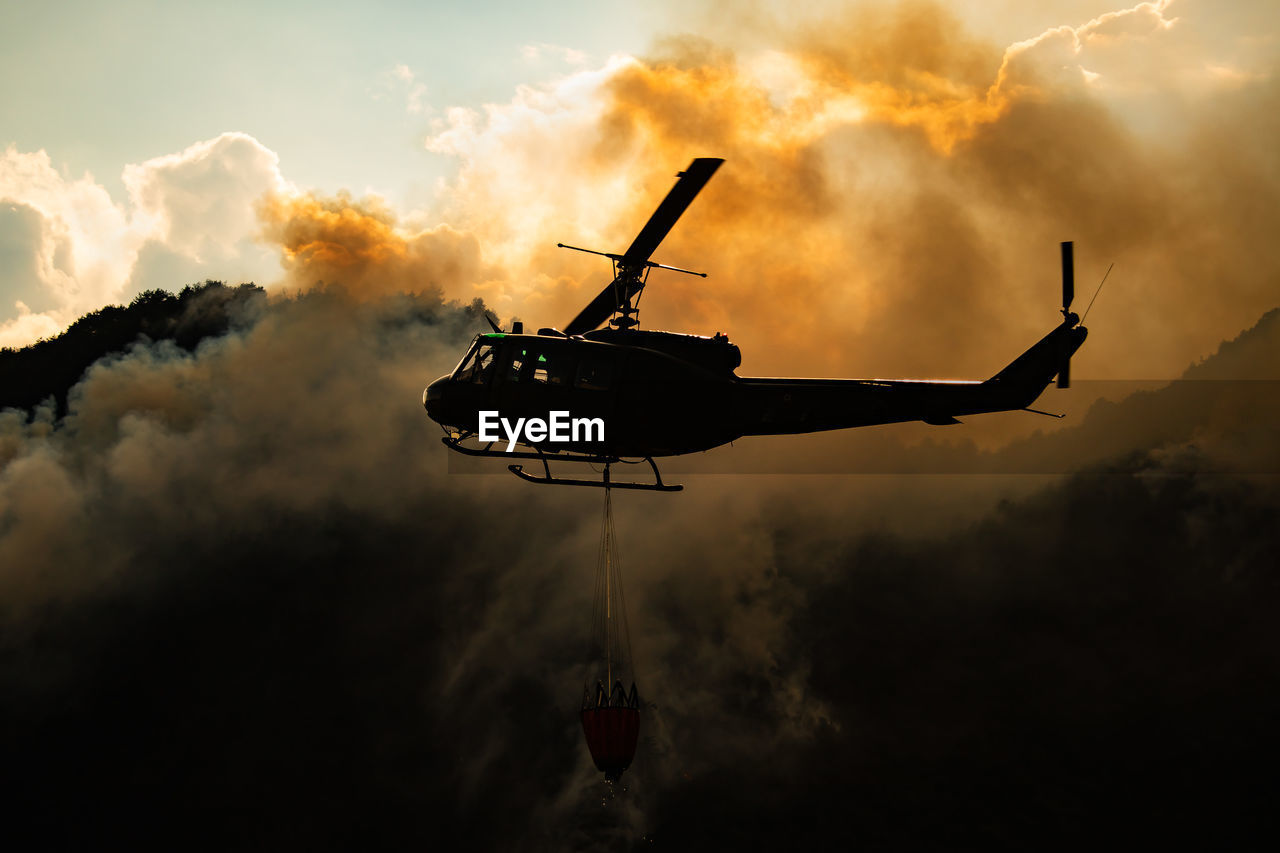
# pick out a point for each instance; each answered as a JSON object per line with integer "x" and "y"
{"x": 631, "y": 268}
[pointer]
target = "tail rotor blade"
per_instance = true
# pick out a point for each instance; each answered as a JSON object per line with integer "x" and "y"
{"x": 1068, "y": 294}
{"x": 1068, "y": 276}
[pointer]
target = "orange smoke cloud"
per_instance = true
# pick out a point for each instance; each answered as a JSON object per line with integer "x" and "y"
{"x": 895, "y": 189}
{"x": 361, "y": 246}
{"x": 816, "y": 232}
{"x": 916, "y": 70}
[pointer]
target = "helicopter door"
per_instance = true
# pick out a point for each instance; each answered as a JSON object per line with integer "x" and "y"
{"x": 594, "y": 384}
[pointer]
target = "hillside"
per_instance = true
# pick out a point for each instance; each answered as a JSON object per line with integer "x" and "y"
{"x": 50, "y": 367}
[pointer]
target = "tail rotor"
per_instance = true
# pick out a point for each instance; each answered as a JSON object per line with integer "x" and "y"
{"x": 1068, "y": 294}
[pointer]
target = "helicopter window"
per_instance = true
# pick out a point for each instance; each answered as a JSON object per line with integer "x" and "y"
{"x": 542, "y": 367}
{"x": 553, "y": 368}
{"x": 477, "y": 366}
{"x": 595, "y": 374}
{"x": 515, "y": 365}
{"x": 484, "y": 366}
{"x": 464, "y": 367}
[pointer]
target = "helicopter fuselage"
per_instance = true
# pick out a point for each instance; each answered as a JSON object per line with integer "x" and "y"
{"x": 666, "y": 394}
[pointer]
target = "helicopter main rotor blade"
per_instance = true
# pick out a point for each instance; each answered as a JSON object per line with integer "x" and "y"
{"x": 628, "y": 283}
{"x": 691, "y": 182}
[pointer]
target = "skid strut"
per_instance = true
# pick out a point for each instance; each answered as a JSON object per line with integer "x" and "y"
{"x": 455, "y": 443}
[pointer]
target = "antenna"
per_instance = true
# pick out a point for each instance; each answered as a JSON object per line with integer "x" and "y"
{"x": 1096, "y": 292}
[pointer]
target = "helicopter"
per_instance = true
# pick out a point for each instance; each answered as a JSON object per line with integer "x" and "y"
{"x": 640, "y": 394}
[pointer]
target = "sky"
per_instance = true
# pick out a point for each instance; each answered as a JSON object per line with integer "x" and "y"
{"x": 244, "y": 585}
{"x": 345, "y": 96}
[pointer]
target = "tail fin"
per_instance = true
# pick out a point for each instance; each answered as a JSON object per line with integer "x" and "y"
{"x": 1029, "y": 374}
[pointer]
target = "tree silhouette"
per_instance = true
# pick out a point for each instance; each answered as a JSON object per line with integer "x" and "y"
{"x": 51, "y": 366}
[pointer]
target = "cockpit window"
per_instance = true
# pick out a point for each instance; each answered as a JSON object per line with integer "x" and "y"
{"x": 477, "y": 366}
{"x": 467, "y": 359}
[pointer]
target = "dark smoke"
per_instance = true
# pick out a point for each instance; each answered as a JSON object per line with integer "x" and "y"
{"x": 245, "y": 607}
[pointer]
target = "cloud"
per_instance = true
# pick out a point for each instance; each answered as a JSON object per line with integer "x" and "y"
{"x": 20, "y": 241}
{"x": 83, "y": 245}
{"x": 80, "y": 250}
{"x": 27, "y": 326}
{"x": 537, "y": 52}
{"x": 415, "y": 92}
{"x": 200, "y": 201}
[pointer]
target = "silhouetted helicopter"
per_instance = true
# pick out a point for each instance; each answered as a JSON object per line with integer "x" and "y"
{"x": 663, "y": 394}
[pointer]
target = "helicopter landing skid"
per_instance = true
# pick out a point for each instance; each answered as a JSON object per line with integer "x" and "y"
{"x": 549, "y": 480}
{"x": 606, "y": 483}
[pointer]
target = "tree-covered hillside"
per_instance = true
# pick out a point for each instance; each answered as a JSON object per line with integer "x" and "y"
{"x": 50, "y": 367}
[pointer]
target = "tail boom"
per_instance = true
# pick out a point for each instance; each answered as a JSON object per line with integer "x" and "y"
{"x": 785, "y": 406}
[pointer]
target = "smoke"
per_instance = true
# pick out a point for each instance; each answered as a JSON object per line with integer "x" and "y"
{"x": 1081, "y": 662}
{"x": 241, "y": 579}
{"x": 895, "y": 187}
{"x": 239, "y": 584}
{"x": 361, "y": 246}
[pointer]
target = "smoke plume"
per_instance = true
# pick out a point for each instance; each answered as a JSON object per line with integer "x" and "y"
{"x": 895, "y": 187}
